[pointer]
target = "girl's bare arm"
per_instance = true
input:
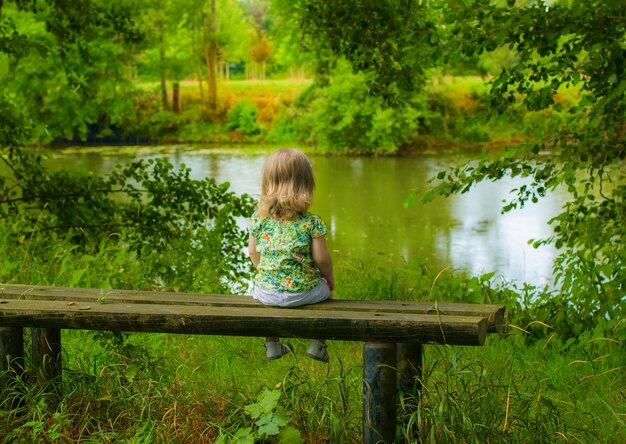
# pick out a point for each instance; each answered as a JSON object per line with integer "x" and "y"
{"x": 323, "y": 261}
{"x": 255, "y": 256}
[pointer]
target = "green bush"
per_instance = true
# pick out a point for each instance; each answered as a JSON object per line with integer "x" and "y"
{"x": 450, "y": 122}
{"x": 286, "y": 128}
{"x": 182, "y": 231}
{"x": 345, "y": 116}
{"x": 243, "y": 117}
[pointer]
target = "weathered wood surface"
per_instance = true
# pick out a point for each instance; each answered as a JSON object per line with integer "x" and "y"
{"x": 241, "y": 321}
{"x": 379, "y": 393}
{"x": 494, "y": 314}
{"x": 12, "y": 350}
{"x": 46, "y": 352}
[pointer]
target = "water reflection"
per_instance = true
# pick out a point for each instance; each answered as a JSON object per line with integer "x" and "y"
{"x": 361, "y": 199}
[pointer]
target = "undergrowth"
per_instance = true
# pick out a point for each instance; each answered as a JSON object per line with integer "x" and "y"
{"x": 519, "y": 387}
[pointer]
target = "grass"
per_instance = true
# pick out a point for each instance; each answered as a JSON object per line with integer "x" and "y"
{"x": 178, "y": 388}
{"x": 199, "y": 386}
{"x": 256, "y": 91}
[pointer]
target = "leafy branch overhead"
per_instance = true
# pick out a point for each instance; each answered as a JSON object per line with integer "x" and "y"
{"x": 392, "y": 41}
{"x": 575, "y": 46}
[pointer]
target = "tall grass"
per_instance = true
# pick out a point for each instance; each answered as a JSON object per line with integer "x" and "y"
{"x": 179, "y": 388}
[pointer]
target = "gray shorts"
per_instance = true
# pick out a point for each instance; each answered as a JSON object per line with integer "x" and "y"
{"x": 319, "y": 293}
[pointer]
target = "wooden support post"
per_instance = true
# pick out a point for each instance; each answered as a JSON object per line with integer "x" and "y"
{"x": 410, "y": 369}
{"x": 409, "y": 386}
{"x": 12, "y": 350}
{"x": 11, "y": 365}
{"x": 379, "y": 392}
{"x": 47, "y": 352}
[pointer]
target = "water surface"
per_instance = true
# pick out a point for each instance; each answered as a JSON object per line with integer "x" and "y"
{"x": 361, "y": 200}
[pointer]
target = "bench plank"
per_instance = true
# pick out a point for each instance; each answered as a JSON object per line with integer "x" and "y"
{"x": 241, "y": 321}
{"x": 495, "y": 314}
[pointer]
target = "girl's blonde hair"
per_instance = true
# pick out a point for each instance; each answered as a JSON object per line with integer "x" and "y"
{"x": 286, "y": 185}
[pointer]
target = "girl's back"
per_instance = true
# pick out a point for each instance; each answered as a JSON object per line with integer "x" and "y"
{"x": 286, "y": 263}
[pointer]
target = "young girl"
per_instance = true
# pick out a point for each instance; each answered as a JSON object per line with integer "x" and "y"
{"x": 287, "y": 245}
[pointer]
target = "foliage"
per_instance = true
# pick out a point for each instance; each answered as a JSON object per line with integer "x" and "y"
{"x": 68, "y": 74}
{"x": 176, "y": 33}
{"x": 267, "y": 423}
{"x": 184, "y": 230}
{"x": 343, "y": 116}
{"x": 81, "y": 84}
{"x": 243, "y": 116}
{"x": 391, "y": 42}
{"x": 15, "y": 127}
{"x": 576, "y": 44}
{"x": 449, "y": 120}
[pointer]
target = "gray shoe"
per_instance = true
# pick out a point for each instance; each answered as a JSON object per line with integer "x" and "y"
{"x": 276, "y": 350}
{"x": 318, "y": 351}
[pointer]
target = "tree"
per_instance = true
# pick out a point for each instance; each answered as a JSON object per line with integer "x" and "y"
{"x": 564, "y": 44}
{"x": 168, "y": 53}
{"x": 578, "y": 45}
{"x": 59, "y": 76}
{"x": 394, "y": 42}
{"x": 217, "y": 33}
{"x": 190, "y": 224}
{"x": 260, "y": 49}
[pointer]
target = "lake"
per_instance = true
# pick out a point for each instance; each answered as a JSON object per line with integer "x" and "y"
{"x": 361, "y": 201}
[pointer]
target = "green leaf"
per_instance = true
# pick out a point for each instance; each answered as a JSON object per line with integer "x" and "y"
{"x": 76, "y": 276}
{"x": 131, "y": 371}
{"x": 243, "y": 436}
{"x": 427, "y": 197}
{"x": 290, "y": 435}
{"x": 269, "y": 429}
{"x": 267, "y": 401}
{"x": 409, "y": 201}
{"x": 487, "y": 276}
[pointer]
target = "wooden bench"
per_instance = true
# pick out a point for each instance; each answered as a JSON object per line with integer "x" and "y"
{"x": 392, "y": 331}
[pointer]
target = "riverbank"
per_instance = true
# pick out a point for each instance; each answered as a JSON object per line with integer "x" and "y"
{"x": 284, "y": 112}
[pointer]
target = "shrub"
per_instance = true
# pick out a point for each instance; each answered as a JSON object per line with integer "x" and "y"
{"x": 243, "y": 117}
{"x": 345, "y": 116}
{"x": 182, "y": 231}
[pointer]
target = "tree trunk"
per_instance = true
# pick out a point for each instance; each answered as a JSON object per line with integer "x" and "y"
{"x": 197, "y": 66}
{"x": 176, "y": 98}
{"x": 161, "y": 26}
{"x": 210, "y": 56}
{"x": 164, "y": 92}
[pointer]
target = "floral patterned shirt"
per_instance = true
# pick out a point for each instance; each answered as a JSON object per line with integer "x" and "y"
{"x": 286, "y": 264}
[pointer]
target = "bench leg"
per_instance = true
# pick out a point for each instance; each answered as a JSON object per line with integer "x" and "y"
{"x": 379, "y": 393}
{"x": 47, "y": 352}
{"x": 410, "y": 369}
{"x": 410, "y": 384}
{"x": 12, "y": 350}
{"x": 11, "y": 366}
